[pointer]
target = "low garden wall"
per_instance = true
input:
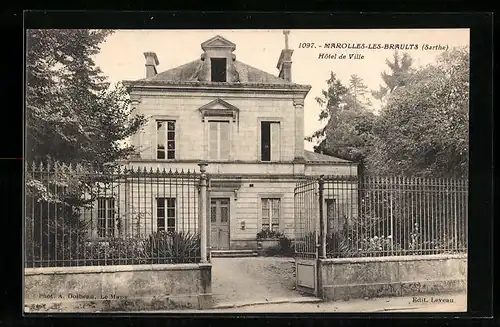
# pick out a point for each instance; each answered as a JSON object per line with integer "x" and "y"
{"x": 118, "y": 288}
{"x": 341, "y": 279}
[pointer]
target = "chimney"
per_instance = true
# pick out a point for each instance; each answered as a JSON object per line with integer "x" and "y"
{"x": 285, "y": 60}
{"x": 151, "y": 63}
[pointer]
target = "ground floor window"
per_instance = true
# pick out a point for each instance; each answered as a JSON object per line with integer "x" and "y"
{"x": 165, "y": 214}
{"x": 271, "y": 214}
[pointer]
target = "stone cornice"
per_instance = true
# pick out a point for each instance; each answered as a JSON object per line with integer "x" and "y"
{"x": 218, "y": 87}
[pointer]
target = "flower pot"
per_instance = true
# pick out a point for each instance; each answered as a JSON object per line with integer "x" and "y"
{"x": 264, "y": 244}
{"x": 268, "y": 243}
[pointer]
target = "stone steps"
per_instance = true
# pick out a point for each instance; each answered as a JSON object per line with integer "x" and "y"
{"x": 233, "y": 253}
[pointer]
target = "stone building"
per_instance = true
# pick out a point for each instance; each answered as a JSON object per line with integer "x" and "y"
{"x": 246, "y": 124}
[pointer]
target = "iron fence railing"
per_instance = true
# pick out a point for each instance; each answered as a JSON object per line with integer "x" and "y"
{"x": 383, "y": 216}
{"x": 78, "y": 217}
{"x": 306, "y": 200}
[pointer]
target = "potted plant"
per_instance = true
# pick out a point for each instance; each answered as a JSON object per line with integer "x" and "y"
{"x": 266, "y": 239}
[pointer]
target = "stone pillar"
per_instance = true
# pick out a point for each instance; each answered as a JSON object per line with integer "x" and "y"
{"x": 203, "y": 212}
{"x": 299, "y": 129}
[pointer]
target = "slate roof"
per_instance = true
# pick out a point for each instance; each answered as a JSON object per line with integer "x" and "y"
{"x": 190, "y": 72}
{"x": 310, "y": 156}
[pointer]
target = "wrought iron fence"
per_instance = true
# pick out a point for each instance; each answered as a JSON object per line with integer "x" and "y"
{"x": 376, "y": 216}
{"x": 306, "y": 205}
{"x": 78, "y": 217}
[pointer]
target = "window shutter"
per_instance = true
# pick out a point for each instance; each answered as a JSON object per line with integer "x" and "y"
{"x": 213, "y": 140}
{"x": 224, "y": 140}
{"x": 265, "y": 214}
{"x": 160, "y": 140}
{"x": 275, "y": 142}
{"x": 275, "y": 214}
{"x": 148, "y": 146}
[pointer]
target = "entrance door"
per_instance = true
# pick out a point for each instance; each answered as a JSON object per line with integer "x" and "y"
{"x": 219, "y": 223}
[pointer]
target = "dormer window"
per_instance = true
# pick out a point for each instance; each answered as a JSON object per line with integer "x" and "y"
{"x": 218, "y": 69}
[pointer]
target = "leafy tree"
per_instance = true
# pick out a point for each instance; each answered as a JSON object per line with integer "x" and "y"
{"x": 72, "y": 114}
{"x": 348, "y": 128}
{"x": 400, "y": 71}
{"x": 423, "y": 130}
{"x": 332, "y": 101}
{"x": 72, "y": 117}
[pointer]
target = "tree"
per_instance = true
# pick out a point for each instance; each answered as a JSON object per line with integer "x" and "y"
{"x": 400, "y": 71}
{"x": 72, "y": 114}
{"x": 348, "y": 128}
{"x": 358, "y": 93}
{"x": 72, "y": 117}
{"x": 423, "y": 130}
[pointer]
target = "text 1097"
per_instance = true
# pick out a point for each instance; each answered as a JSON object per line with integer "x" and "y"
{"x": 306, "y": 45}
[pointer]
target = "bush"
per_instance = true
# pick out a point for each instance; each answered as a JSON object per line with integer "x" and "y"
{"x": 57, "y": 240}
{"x": 116, "y": 251}
{"x": 272, "y": 251}
{"x": 172, "y": 247}
{"x": 284, "y": 248}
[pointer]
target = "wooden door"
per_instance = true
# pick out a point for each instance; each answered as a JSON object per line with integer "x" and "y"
{"x": 219, "y": 223}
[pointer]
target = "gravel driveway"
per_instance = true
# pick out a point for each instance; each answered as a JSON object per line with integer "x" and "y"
{"x": 250, "y": 280}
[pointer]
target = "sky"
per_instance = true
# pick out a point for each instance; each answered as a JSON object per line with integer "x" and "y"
{"x": 121, "y": 57}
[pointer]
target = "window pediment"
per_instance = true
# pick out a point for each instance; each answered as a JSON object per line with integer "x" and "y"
{"x": 219, "y": 108}
{"x": 218, "y": 42}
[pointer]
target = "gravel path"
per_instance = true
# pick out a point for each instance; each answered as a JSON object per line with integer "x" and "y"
{"x": 239, "y": 280}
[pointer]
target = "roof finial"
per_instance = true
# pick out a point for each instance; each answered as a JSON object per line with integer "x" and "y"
{"x": 286, "y": 33}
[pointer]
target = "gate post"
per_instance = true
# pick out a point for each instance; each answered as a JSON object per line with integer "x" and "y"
{"x": 322, "y": 225}
{"x": 203, "y": 212}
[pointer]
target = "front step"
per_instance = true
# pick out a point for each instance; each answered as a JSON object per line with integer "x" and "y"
{"x": 233, "y": 253}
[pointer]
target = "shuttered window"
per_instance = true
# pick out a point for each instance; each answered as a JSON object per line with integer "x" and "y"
{"x": 270, "y": 141}
{"x": 218, "y": 140}
{"x": 275, "y": 141}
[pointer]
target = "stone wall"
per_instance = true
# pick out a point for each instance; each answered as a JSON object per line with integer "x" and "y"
{"x": 191, "y": 131}
{"x": 342, "y": 279}
{"x": 118, "y": 288}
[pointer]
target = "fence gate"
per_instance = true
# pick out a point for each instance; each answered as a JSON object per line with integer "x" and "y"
{"x": 307, "y": 210}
